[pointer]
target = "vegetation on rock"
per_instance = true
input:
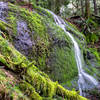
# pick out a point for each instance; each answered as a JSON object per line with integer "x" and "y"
{"x": 20, "y": 77}
{"x": 37, "y": 57}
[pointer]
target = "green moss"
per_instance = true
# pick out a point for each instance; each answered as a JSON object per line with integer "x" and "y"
{"x": 93, "y": 63}
{"x": 44, "y": 87}
{"x": 12, "y": 20}
{"x": 40, "y": 53}
{"x": 4, "y": 27}
{"x": 2, "y": 59}
{"x": 92, "y": 38}
{"x": 33, "y": 20}
{"x": 95, "y": 52}
{"x": 44, "y": 36}
{"x": 64, "y": 68}
{"x": 49, "y": 39}
{"x": 39, "y": 81}
{"x": 38, "y": 32}
{"x": 62, "y": 65}
{"x": 29, "y": 91}
{"x": 43, "y": 12}
{"x": 74, "y": 29}
{"x": 70, "y": 95}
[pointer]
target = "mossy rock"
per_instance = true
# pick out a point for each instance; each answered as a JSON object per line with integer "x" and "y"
{"x": 46, "y": 38}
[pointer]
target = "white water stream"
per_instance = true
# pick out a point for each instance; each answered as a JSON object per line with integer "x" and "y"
{"x": 84, "y": 78}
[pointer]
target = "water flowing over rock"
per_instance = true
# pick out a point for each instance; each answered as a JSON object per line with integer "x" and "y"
{"x": 85, "y": 80}
{"x": 3, "y": 11}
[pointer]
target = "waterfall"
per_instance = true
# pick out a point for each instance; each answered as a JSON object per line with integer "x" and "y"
{"x": 84, "y": 78}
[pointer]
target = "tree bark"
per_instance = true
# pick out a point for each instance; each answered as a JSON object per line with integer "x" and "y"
{"x": 53, "y": 7}
{"x": 95, "y": 7}
{"x": 82, "y": 8}
{"x": 87, "y": 8}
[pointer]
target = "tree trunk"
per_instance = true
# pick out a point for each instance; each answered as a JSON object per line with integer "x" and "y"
{"x": 87, "y": 8}
{"x": 95, "y": 7}
{"x": 53, "y": 7}
{"x": 82, "y": 8}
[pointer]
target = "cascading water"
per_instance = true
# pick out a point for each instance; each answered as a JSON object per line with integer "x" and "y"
{"x": 3, "y": 11}
{"x": 84, "y": 78}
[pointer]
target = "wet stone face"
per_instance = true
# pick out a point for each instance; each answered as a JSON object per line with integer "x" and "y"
{"x": 3, "y": 11}
{"x": 23, "y": 42}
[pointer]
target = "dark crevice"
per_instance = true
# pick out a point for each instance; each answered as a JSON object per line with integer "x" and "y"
{"x": 3, "y": 66}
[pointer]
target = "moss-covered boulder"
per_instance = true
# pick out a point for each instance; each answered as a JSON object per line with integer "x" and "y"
{"x": 29, "y": 42}
{"x": 37, "y": 37}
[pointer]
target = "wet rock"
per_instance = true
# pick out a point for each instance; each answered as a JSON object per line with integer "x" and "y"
{"x": 89, "y": 55}
{"x": 93, "y": 94}
{"x": 3, "y": 11}
{"x": 23, "y": 42}
{"x": 59, "y": 43}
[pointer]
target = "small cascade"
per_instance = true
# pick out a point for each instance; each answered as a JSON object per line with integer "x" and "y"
{"x": 85, "y": 80}
{"x": 3, "y": 11}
